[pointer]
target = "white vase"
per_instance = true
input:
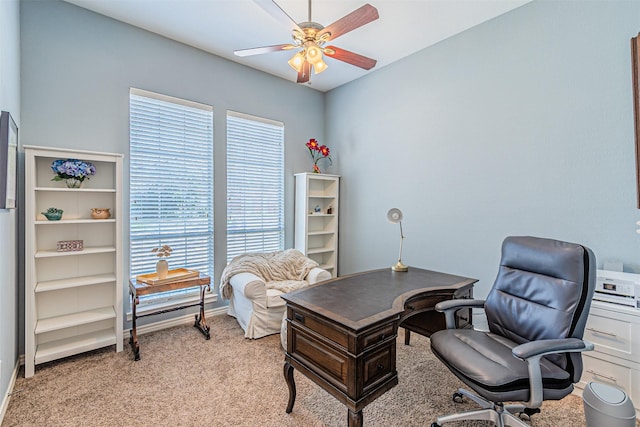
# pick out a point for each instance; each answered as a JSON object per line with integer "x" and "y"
{"x": 162, "y": 267}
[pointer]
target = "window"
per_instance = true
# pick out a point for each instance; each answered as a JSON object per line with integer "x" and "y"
{"x": 255, "y": 185}
{"x": 170, "y": 184}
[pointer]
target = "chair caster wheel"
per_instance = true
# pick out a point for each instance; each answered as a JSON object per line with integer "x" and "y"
{"x": 457, "y": 397}
{"x": 528, "y": 412}
{"x": 435, "y": 425}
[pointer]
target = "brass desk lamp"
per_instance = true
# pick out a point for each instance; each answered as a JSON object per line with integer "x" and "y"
{"x": 395, "y": 216}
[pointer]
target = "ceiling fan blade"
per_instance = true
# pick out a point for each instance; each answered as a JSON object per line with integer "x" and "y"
{"x": 263, "y": 49}
{"x": 359, "y": 17}
{"x": 272, "y": 8}
{"x": 303, "y": 75}
{"x": 350, "y": 57}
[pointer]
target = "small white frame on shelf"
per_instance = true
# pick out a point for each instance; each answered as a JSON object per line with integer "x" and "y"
{"x": 73, "y": 299}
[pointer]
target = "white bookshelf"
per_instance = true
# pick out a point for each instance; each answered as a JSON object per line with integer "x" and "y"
{"x": 316, "y": 233}
{"x": 73, "y": 300}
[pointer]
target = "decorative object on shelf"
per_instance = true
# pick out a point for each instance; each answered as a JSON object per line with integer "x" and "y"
{"x": 8, "y": 161}
{"x": 72, "y": 171}
{"x": 162, "y": 266}
{"x": 53, "y": 214}
{"x": 69, "y": 245}
{"x": 318, "y": 152}
{"x": 330, "y": 210}
{"x": 100, "y": 213}
{"x": 317, "y": 209}
{"x": 395, "y": 216}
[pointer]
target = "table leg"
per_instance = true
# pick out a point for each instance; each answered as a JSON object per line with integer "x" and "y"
{"x": 201, "y": 322}
{"x": 288, "y": 376}
{"x": 133, "y": 333}
{"x": 407, "y": 337}
{"x": 355, "y": 418}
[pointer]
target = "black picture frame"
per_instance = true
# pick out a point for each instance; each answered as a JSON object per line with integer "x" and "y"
{"x": 8, "y": 161}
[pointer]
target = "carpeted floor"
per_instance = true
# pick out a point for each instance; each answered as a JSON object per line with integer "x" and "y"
{"x": 184, "y": 380}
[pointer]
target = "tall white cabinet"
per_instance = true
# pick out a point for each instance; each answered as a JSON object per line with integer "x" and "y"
{"x": 73, "y": 299}
{"x": 316, "y": 218}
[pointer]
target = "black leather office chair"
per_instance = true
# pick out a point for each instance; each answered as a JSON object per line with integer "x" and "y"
{"x": 536, "y": 312}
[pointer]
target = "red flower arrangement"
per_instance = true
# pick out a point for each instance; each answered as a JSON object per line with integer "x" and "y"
{"x": 318, "y": 152}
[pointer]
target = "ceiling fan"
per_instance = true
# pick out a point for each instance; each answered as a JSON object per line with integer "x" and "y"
{"x": 310, "y": 37}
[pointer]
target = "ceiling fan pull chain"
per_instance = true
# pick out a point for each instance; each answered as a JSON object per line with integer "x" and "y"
{"x": 309, "y": 11}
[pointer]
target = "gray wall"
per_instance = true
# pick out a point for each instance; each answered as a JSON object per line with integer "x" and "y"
{"x": 9, "y": 101}
{"x": 520, "y": 126}
{"x": 78, "y": 66}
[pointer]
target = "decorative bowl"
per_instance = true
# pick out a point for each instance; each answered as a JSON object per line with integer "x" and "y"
{"x": 53, "y": 215}
{"x": 100, "y": 213}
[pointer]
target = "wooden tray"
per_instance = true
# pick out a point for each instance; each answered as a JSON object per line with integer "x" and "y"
{"x": 172, "y": 276}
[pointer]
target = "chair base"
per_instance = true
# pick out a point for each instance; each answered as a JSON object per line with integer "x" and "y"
{"x": 500, "y": 415}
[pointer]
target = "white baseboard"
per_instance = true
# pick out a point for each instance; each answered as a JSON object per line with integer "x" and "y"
{"x": 7, "y": 396}
{"x": 163, "y": 324}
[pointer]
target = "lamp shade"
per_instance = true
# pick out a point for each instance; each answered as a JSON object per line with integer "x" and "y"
{"x": 314, "y": 54}
{"x": 319, "y": 66}
{"x": 296, "y": 61}
{"x": 394, "y": 215}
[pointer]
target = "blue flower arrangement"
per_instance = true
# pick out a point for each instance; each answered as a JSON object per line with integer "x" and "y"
{"x": 72, "y": 168}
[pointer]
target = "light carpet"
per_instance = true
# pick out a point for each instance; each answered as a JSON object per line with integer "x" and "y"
{"x": 184, "y": 380}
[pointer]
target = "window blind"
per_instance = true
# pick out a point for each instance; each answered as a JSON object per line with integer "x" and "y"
{"x": 170, "y": 182}
{"x": 255, "y": 185}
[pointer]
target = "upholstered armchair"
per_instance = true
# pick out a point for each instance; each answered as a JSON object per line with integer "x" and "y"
{"x": 254, "y": 282}
{"x": 536, "y": 312}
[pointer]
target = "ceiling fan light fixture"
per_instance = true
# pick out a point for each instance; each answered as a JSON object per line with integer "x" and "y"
{"x": 314, "y": 54}
{"x": 320, "y": 66}
{"x": 296, "y": 61}
{"x": 310, "y": 37}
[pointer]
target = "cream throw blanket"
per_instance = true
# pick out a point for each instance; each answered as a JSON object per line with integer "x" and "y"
{"x": 282, "y": 270}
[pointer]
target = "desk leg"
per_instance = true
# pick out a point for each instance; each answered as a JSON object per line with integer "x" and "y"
{"x": 355, "y": 418}
{"x": 133, "y": 334}
{"x": 288, "y": 376}
{"x": 201, "y": 322}
{"x": 407, "y": 337}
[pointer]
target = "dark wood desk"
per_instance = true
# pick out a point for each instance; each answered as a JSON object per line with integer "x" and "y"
{"x": 342, "y": 333}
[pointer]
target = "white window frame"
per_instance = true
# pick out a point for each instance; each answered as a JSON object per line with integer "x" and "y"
{"x": 202, "y": 196}
{"x": 255, "y": 184}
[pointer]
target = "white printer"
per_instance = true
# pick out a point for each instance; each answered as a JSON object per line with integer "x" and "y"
{"x": 618, "y": 288}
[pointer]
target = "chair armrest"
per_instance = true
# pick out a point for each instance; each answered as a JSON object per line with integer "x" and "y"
{"x": 249, "y": 285}
{"x": 317, "y": 275}
{"x": 533, "y": 351}
{"x": 449, "y": 308}
{"x": 543, "y": 347}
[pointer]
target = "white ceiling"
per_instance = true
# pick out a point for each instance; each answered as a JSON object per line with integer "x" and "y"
{"x": 222, "y": 26}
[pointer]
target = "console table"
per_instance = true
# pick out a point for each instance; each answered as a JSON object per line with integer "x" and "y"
{"x": 137, "y": 289}
{"x": 342, "y": 333}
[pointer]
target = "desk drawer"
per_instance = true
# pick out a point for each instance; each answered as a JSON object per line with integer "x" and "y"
{"x": 378, "y": 365}
{"x": 611, "y": 336}
{"x": 324, "y": 360}
{"x": 428, "y": 302}
{"x": 602, "y": 371}
{"x": 377, "y": 336}
{"x": 325, "y": 329}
